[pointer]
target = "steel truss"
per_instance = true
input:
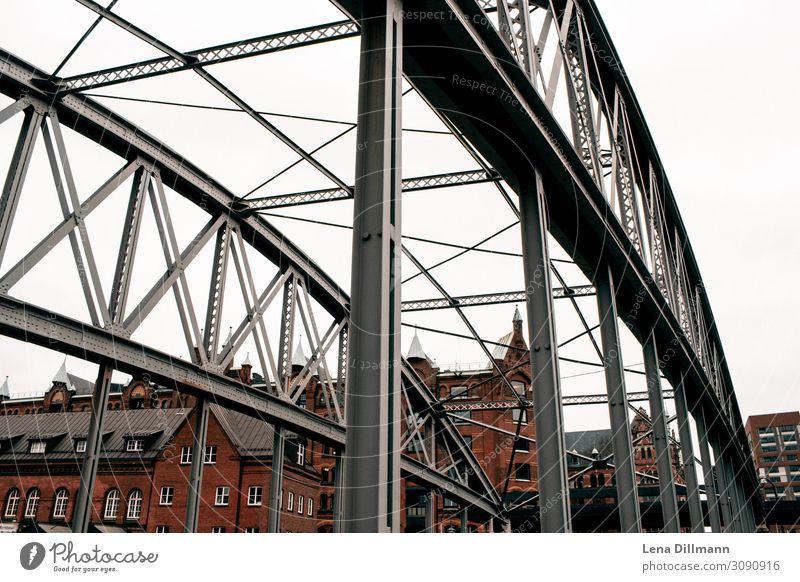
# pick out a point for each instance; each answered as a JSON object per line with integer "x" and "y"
{"x": 604, "y": 180}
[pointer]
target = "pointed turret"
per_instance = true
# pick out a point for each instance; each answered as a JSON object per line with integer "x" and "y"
{"x": 416, "y": 351}
{"x": 5, "y": 393}
{"x": 299, "y": 357}
{"x": 62, "y": 377}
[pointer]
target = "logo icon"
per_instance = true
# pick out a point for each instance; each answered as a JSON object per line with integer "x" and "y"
{"x": 31, "y": 555}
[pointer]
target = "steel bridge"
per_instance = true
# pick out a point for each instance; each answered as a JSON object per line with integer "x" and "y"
{"x": 588, "y": 180}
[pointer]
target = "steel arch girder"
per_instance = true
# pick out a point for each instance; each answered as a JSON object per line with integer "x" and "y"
{"x": 512, "y": 132}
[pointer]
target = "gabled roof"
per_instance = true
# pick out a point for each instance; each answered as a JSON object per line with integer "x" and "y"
{"x": 584, "y": 442}
{"x": 75, "y": 425}
{"x": 251, "y": 436}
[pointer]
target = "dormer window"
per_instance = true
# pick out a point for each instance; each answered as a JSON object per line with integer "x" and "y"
{"x": 135, "y": 445}
{"x": 301, "y": 454}
{"x": 80, "y": 446}
{"x": 38, "y": 447}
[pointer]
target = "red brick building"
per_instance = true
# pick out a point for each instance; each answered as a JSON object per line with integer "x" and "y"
{"x": 775, "y": 444}
{"x": 142, "y": 481}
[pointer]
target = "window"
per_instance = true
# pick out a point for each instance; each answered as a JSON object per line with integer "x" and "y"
{"x": 254, "y": 495}
{"x": 134, "y": 505}
{"x": 522, "y": 472}
{"x": 166, "y": 496}
{"x": 32, "y": 503}
{"x": 80, "y": 446}
{"x": 60, "y": 504}
{"x": 326, "y": 475}
{"x": 12, "y": 504}
{"x": 517, "y": 414}
{"x": 38, "y": 447}
{"x": 223, "y": 496}
{"x": 135, "y": 445}
{"x": 310, "y": 506}
{"x": 519, "y": 388}
{"x": 459, "y": 392}
{"x": 462, "y": 416}
{"x": 301, "y": 454}
{"x": 217, "y": 529}
{"x": 186, "y": 455}
{"x": 290, "y": 502}
{"x": 112, "y": 505}
{"x": 210, "y": 456}
{"x": 300, "y": 504}
{"x": 522, "y": 445}
{"x": 162, "y": 529}
{"x": 251, "y": 530}
{"x": 467, "y": 441}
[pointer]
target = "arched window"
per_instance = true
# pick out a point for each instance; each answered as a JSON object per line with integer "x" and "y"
{"x": 593, "y": 480}
{"x": 12, "y": 504}
{"x": 134, "y": 505}
{"x": 60, "y": 504}
{"x": 112, "y": 505}
{"x": 32, "y": 503}
{"x": 601, "y": 480}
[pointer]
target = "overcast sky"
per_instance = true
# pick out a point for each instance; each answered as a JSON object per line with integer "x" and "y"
{"x": 715, "y": 89}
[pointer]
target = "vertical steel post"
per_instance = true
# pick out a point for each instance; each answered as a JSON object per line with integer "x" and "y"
{"x": 194, "y": 493}
{"x": 337, "y": 494}
{"x": 722, "y": 486}
{"x": 666, "y": 485}
{"x": 627, "y": 495}
{"x": 430, "y": 512}
{"x": 741, "y": 502}
{"x": 82, "y": 514}
{"x": 16, "y": 175}
{"x": 733, "y": 498}
{"x": 275, "y": 501}
{"x": 687, "y": 458}
{"x": 549, "y": 416}
{"x": 464, "y": 516}
{"x": 372, "y": 449}
{"x": 708, "y": 473}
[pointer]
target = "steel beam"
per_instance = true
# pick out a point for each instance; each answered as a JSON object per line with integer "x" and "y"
{"x": 371, "y": 457}
{"x": 666, "y": 486}
{"x": 549, "y": 417}
{"x": 276, "y": 485}
{"x": 687, "y": 458}
{"x": 493, "y": 298}
{"x": 15, "y": 178}
{"x": 624, "y": 471}
{"x": 194, "y": 492}
{"x": 733, "y": 497}
{"x": 712, "y": 501}
{"x": 722, "y": 485}
{"x": 82, "y": 513}
{"x": 212, "y": 55}
{"x": 431, "y": 182}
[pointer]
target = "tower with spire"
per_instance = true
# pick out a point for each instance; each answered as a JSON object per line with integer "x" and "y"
{"x": 425, "y": 367}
